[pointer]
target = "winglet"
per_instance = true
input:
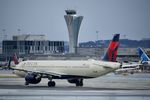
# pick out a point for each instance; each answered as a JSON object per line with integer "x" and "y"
{"x": 143, "y": 55}
{"x": 112, "y": 50}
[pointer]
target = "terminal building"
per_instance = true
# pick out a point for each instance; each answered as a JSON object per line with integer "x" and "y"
{"x": 31, "y": 44}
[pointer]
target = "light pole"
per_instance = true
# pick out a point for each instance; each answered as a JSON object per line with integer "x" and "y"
{"x": 4, "y": 34}
{"x": 18, "y": 49}
{"x": 4, "y": 37}
{"x": 124, "y": 36}
{"x": 97, "y": 38}
{"x": 19, "y": 30}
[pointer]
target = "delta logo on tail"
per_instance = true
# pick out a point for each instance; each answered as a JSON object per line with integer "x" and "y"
{"x": 112, "y": 51}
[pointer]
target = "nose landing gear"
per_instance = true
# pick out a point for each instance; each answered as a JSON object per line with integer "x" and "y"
{"x": 51, "y": 83}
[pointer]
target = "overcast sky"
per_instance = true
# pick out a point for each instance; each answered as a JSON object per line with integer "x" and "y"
{"x": 130, "y": 18}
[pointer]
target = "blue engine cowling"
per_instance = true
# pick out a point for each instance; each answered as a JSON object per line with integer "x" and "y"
{"x": 33, "y": 78}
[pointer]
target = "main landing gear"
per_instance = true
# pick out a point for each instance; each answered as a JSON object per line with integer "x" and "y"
{"x": 51, "y": 83}
{"x": 26, "y": 83}
{"x": 79, "y": 82}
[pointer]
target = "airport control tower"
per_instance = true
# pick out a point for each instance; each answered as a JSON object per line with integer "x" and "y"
{"x": 73, "y": 23}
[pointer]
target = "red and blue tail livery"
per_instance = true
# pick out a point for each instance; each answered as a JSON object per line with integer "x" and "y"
{"x": 112, "y": 50}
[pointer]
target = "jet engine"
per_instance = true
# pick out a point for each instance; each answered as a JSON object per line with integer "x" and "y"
{"x": 33, "y": 78}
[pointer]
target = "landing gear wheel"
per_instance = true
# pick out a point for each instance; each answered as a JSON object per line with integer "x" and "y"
{"x": 79, "y": 83}
{"x": 132, "y": 72}
{"x": 51, "y": 83}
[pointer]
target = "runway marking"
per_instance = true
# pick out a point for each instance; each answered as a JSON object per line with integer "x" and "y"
{"x": 22, "y": 92}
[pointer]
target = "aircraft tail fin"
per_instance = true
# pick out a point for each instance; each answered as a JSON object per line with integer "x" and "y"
{"x": 143, "y": 55}
{"x": 15, "y": 59}
{"x": 112, "y": 50}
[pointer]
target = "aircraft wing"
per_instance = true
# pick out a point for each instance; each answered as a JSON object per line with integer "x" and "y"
{"x": 43, "y": 73}
{"x": 49, "y": 73}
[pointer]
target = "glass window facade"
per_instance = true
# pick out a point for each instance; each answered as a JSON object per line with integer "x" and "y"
{"x": 32, "y": 47}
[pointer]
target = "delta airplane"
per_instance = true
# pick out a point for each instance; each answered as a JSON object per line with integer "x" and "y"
{"x": 72, "y": 70}
{"x": 144, "y": 58}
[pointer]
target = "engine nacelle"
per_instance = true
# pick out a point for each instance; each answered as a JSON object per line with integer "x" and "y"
{"x": 73, "y": 80}
{"x": 33, "y": 78}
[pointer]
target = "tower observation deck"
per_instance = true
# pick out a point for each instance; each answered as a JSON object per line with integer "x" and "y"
{"x": 73, "y": 22}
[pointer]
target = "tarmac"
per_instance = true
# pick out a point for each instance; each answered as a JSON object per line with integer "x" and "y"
{"x": 108, "y": 87}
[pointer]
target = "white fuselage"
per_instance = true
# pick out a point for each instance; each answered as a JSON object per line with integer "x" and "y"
{"x": 88, "y": 68}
